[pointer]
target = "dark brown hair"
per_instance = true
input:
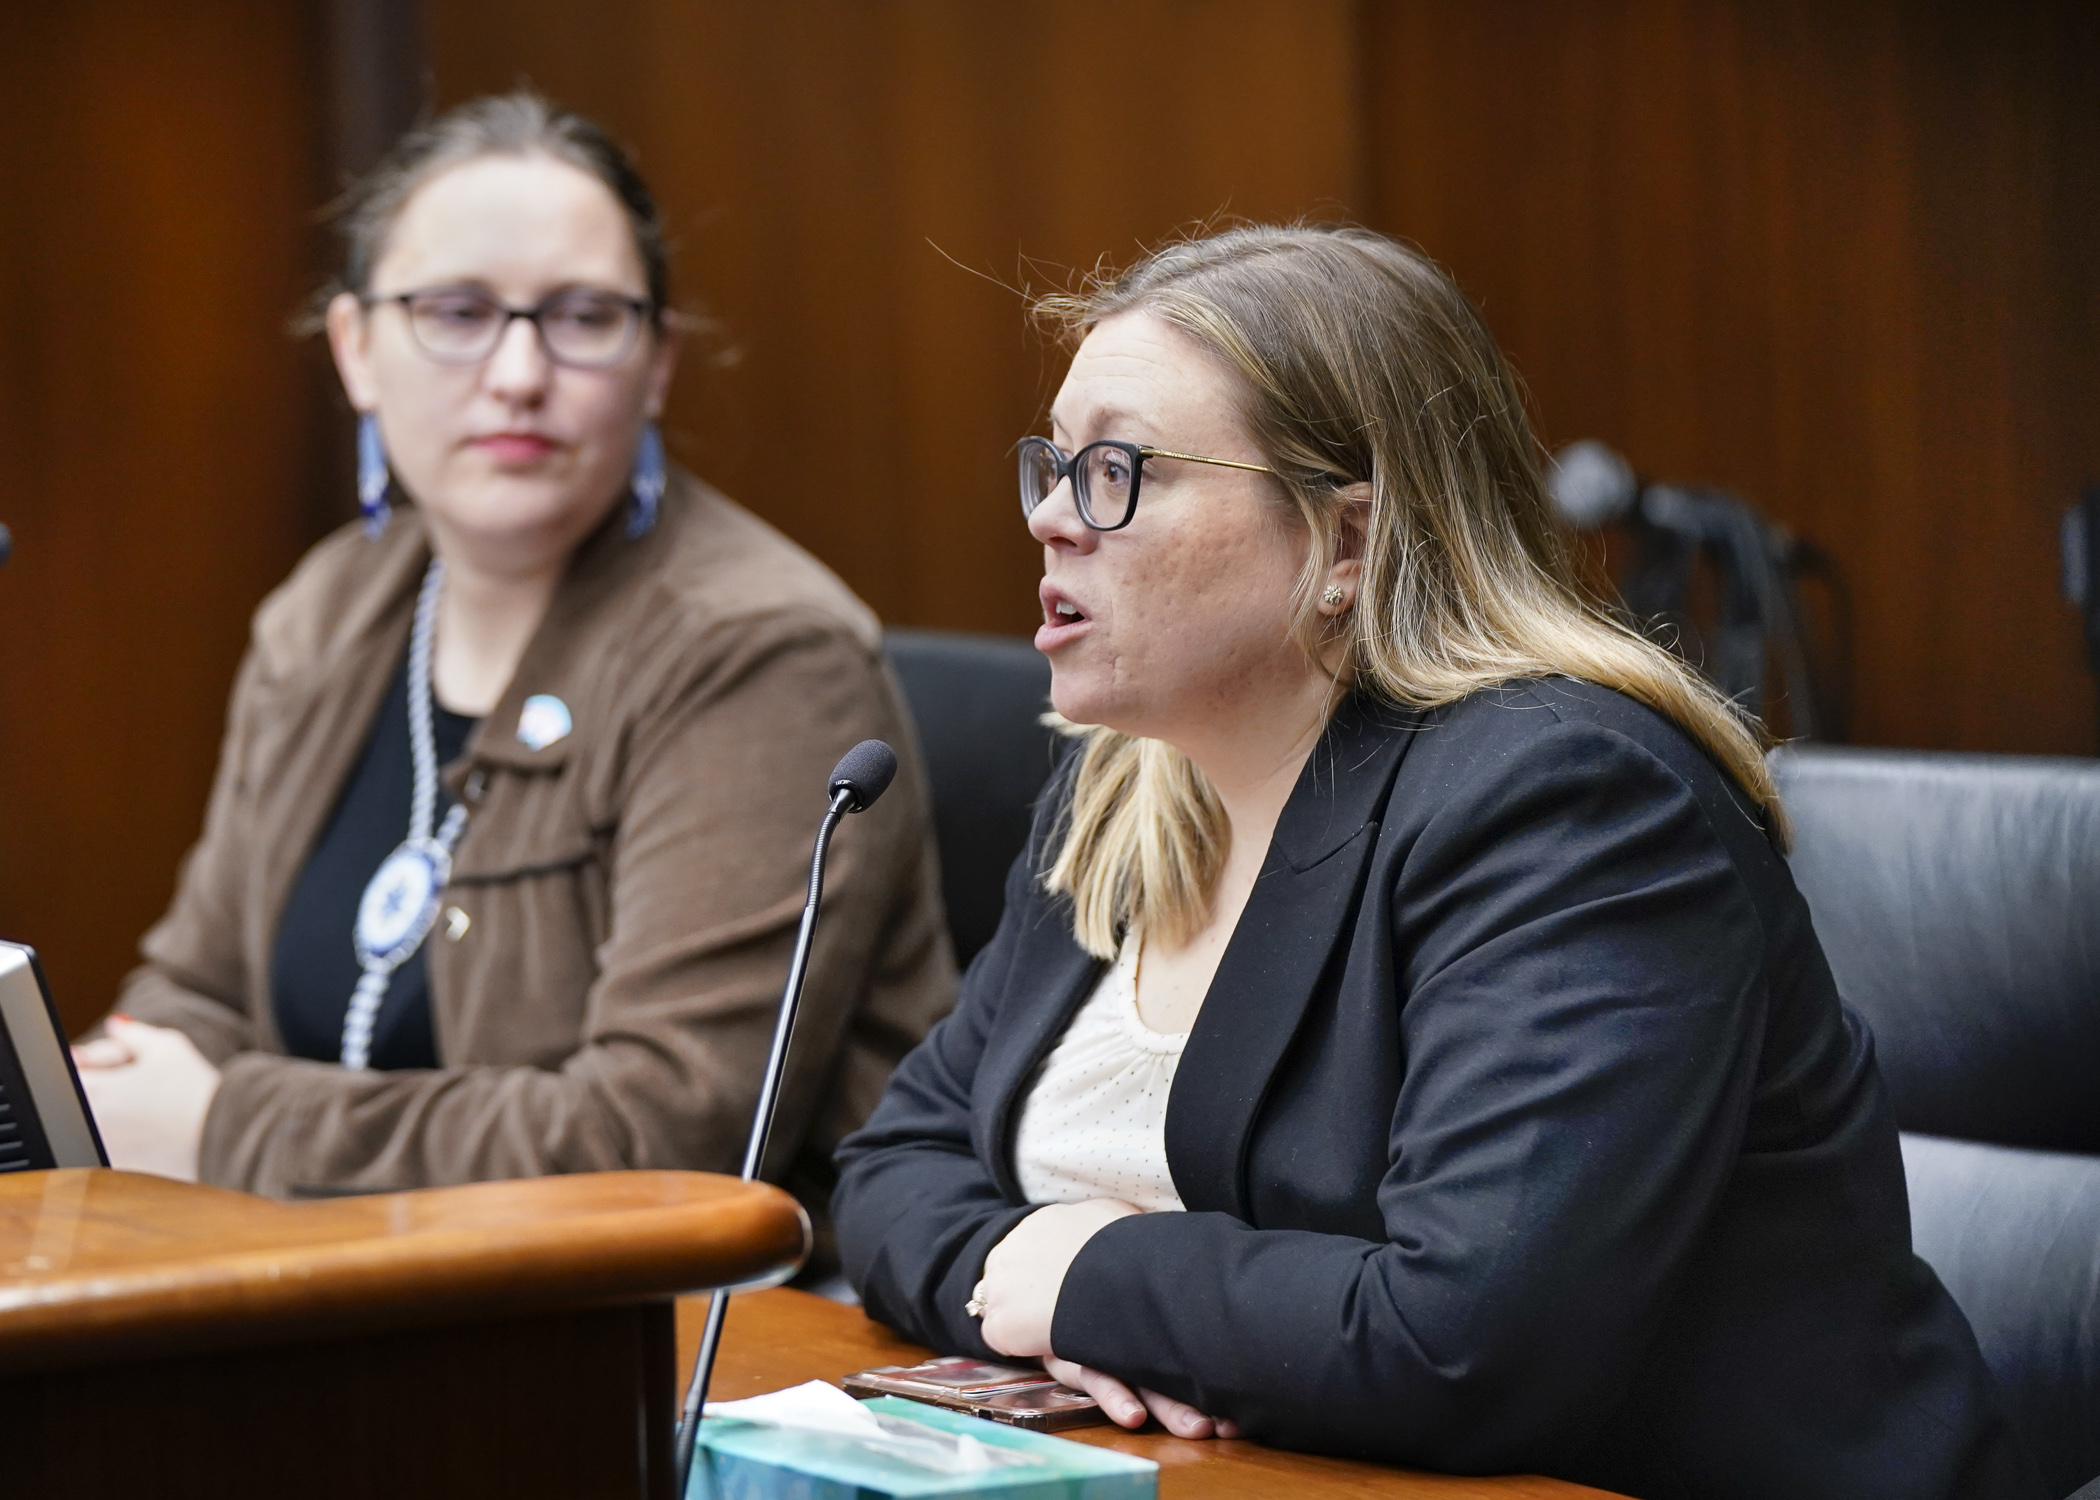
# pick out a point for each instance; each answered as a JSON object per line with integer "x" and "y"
{"x": 523, "y": 123}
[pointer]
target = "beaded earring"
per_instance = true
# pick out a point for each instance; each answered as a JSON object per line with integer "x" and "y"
{"x": 372, "y": 476}
{"x": 647, "y": 485}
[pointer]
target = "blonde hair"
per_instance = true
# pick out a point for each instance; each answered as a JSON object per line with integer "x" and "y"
{"x": 1360, "y": 362}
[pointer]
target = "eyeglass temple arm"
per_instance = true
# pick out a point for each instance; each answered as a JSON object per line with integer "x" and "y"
{"x": 1197, "y": 458}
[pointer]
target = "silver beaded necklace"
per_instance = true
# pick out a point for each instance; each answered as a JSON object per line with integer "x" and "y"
{"x": 400, "y": 903}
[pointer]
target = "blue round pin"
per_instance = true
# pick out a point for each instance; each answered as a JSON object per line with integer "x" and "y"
{"x": 543, "y": 720}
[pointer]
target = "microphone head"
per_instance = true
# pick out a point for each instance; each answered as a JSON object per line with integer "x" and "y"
{"x": 864, "y": 772}
{"x": 1591, "y": 485}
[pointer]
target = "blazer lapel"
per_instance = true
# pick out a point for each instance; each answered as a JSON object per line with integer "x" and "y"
{"x": 1298, "y": 914}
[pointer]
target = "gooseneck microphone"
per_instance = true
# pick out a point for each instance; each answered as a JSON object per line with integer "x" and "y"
{"x": 862, "y": 774}
{"x": 1591, "y": 486}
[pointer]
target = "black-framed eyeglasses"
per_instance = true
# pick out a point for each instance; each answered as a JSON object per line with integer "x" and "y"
{"x": 1105, "y": 476}
{"x": 577, "y": 326}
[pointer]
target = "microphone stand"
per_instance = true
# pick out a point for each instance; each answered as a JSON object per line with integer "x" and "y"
{"x": 860, "y": 778}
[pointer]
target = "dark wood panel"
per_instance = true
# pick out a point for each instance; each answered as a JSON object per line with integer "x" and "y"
{"x": 154, "y": 431}
{"x": 1833, "y": 255}
{"x": 549, "y": 1406}
{"x": 1826, "y": 254}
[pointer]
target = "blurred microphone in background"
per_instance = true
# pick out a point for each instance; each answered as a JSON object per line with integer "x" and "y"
{"x": 7, "y": 544}
{"x": 2080, "y": 539}
{"x": 1721, "y": 584}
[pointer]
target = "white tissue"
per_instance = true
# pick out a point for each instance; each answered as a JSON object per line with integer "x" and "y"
{"x": 818, "y": 1407}
{"x": 813, "y": 1406}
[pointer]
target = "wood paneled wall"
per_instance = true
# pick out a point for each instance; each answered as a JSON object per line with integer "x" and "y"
{"x": 1834, "y": 255}
{"x": 156, "y": 462}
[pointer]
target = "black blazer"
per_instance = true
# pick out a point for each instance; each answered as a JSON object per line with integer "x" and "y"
{"x": 1521, "y": 1130}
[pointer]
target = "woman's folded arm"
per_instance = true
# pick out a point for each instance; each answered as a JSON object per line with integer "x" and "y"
{"x": 1582, "y": 1016}
{"x": 916, "y": 1210}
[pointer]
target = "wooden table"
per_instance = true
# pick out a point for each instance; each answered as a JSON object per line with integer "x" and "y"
{"x": 782, "y": 1338}
{"x": 511, "y": 1339}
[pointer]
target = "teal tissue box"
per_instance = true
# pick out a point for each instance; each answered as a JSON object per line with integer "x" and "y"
{"x": 737, "y": 1460}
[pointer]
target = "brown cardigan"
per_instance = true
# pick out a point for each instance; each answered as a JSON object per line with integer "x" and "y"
{"x": 630, "y": 893}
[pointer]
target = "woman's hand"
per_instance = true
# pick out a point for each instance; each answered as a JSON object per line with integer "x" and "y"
{"x": 1022, "y": 1277}
{"x": 1026, "y": 1270}
{"x": 150, "y": 1089}
{"x": 1127, "y": 1408}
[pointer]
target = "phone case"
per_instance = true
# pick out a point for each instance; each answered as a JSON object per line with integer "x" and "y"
{"x": 1015, "y": 1395}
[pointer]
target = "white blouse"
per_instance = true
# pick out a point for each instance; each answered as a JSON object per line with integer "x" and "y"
{"x": 1095, "y": 1124}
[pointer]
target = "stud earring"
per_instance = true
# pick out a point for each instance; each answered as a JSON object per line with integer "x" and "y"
{"x": 372, "y": 475}
{"x": 647, "y": 485}
{"x": 1332, "y": 596}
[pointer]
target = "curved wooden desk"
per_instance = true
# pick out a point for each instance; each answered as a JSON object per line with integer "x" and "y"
{"x": 509, "y": 1338}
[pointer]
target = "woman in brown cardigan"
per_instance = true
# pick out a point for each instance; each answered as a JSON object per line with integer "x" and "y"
{"x": 503, "y": 863}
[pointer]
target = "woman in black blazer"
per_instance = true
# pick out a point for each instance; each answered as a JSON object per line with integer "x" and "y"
{"x": 1518, "y": 1125}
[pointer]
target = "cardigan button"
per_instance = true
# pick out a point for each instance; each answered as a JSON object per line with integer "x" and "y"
{"x": 456, "y": 923}
{"x": 477, "y": 786}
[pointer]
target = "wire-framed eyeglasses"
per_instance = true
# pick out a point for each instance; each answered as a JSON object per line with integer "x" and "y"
{"x": 580, "y": 327}
{"x": 1105, "y": 476}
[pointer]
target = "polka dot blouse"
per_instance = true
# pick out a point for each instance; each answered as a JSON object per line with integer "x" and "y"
{"x": 1095, "y": 1123}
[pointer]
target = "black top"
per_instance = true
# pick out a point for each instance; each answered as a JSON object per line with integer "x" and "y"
{"x": 315, "y": 966}
{"x": 1521, "y": 1130}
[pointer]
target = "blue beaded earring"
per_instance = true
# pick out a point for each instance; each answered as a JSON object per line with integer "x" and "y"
{"x": 372, "y": 476}
{"x": 647, "y": 486}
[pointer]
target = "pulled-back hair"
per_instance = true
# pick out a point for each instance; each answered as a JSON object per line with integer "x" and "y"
{"x": 516, "y": 124}
{"x": 1360, "y": 361}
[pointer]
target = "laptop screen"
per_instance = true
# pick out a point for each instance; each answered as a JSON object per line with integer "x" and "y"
{"x": 44, "y": 1119}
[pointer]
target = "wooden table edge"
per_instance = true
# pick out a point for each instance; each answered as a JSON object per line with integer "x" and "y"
{"x": 445, "y": 1272}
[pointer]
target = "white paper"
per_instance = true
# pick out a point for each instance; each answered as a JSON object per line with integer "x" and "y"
{"x": 819, "y": 1407}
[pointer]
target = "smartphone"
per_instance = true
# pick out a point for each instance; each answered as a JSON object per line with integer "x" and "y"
{"x": 1014, "y": 1394}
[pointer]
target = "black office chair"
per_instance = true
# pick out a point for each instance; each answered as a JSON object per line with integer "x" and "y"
{"x": 1958, "y": 899}
{"x": 978, "y": 702}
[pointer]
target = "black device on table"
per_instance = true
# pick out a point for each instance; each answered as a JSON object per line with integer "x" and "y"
{"x": 44, "y": 1117}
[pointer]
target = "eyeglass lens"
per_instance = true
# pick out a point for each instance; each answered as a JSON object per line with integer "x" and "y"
{"x": 1042, "y": 466}
{"x": 1104, "y": 480}
{"x": 589, "y": 329}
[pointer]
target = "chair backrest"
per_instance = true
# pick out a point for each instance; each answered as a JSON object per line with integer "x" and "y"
{"x": 1958, "y": 899}
{"x": 978, "y": 702}
{"x": 2015, "y": 1235}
